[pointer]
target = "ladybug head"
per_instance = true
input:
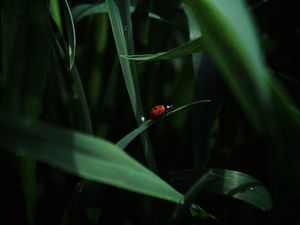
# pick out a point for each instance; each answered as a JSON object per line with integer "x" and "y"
{"x": 169, "y": 108}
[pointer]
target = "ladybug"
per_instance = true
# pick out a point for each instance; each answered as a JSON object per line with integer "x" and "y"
{"x": 159, "y": 111}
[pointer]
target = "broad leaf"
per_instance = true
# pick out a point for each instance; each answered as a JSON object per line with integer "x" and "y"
{"x": 91, "y": 158}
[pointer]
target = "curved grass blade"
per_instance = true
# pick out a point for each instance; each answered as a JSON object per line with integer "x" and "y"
{"x": 91, "y": 158}
{"x": 70, "y": 30}
{"x": 133, "y": 134}
{"x": 71, "y": 74}
{"x": 64, "y": 20}
{"x": 188, "y": 48}
{"x": 228, "y": 183}
{"x": 83, "y": 10}
{"x": 189, "y": 197}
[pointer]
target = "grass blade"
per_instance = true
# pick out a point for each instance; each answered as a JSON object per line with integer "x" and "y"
{"x": 244, "y": 69}
{"x": 133, "y": 134}
{"x": 188, "y": 48}
{"x": 25, "y": 77}
{"x": 233, "y": 43}
{"x": 83, "y": 10}
{"x": 91, "y": 158}
{"x": 228, "y": 183}
{"x": 72, "y": 74}
{"x": 64, "y": 20}
{"x": 119, "y": 14}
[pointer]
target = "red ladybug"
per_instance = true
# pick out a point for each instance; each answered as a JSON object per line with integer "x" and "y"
{"x": 159, "y": 110}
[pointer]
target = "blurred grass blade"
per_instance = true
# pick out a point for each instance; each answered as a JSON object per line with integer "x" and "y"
{"x": 91, "y": 158}
{"x": 228, "y": 183}
{"x": 25, "y": 78}
{"x": 231, "y": 39}
{"x": 230, "y": 35}
{"x": 188, "y": 48}
{"x": 194, "y": 33}
{"x": 133, "y": 134}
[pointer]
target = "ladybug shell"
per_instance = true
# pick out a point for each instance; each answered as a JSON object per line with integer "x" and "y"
{"x": 157, "y": 111}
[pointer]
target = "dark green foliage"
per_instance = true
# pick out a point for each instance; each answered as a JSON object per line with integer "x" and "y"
{"x": 77, "y": 79}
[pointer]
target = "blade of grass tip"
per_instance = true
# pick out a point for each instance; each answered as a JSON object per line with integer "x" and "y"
{"x": 119, "y": 14}
{"x": 55, "y": 11}
{"x": 133, "y": 134}
{"x": 188, "y": 48}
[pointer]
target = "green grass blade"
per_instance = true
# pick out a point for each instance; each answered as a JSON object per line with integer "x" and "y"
{"x": 82, "y": 99}
{"x": 91, "y": 158}
{"x": 228, "y": 183}
{"x": 63, "y": 18}
{"x": 133, "y": 134}
{"x": 194, "y": 33}
{"x": 188, "y": 48}
{"x": 55, "y": 11}
{"x": 120, "y": 18}
{"x": 124, "y": 47}
{"x": 234, "y": 45}
{"x": 72, "y": 74}
{"x": 83, "y": 10}
{"x": 26, "y": 78}
{"x": 70, "y": 30}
